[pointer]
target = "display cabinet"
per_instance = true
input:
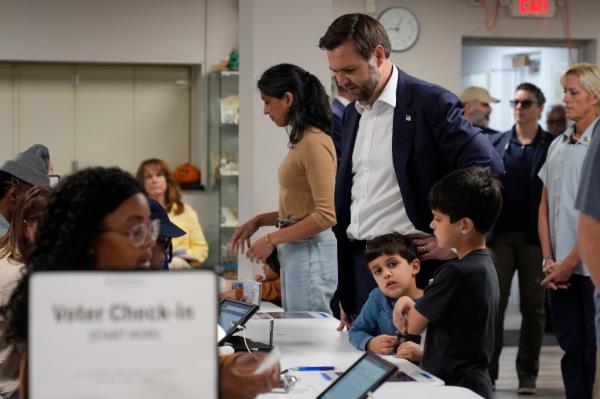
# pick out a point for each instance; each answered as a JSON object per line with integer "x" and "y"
{"x": 222, "y": 182}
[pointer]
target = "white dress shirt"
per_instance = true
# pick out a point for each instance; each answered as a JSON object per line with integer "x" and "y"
{"x": 377, "y": 207}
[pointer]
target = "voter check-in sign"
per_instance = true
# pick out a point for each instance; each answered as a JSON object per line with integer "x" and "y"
{"x": 134, "y": 334}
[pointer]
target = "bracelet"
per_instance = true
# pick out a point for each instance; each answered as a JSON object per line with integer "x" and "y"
{"x": 268, "y": 240}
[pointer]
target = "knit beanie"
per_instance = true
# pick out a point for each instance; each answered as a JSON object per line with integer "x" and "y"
{"x": 30, "y": 166}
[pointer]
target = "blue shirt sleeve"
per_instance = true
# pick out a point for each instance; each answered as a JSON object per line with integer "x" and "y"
{"x": 588, "y": 196}
{"x": 366, "y": 325}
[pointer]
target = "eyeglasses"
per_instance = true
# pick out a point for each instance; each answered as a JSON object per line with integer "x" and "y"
{"x": 139, "y": 233}
{"x": 525, "y": 104}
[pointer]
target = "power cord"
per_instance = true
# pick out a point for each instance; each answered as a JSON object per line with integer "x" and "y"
{"x": 243, "y": 330}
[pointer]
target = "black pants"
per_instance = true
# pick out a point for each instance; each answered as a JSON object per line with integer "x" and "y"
{"x": 572, "y": 311}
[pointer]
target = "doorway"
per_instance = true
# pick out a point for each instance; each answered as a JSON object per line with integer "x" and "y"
{"x": 499, "y": 66}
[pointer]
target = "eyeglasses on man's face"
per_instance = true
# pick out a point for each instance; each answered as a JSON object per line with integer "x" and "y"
{"x": 525, "y": 104}
{"x": 138, "y": 234}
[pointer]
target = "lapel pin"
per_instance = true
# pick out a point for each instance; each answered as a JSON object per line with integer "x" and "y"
{"x": 408, "y": 118}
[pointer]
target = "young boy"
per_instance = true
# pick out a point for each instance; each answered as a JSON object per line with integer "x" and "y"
{"x": 392, "y": 259}
{"x": 459, "y": 305}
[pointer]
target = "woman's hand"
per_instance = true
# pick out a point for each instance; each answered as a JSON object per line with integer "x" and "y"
{"x": 557, "y": 274}
{"x": 237, "y": 381}
{"x": 240, "y": 240}
{"x": 260, "y": 250}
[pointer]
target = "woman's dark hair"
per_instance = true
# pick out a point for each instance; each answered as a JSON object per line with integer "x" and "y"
{"x": 533, "y": 89}
{"x": 390, "y": 244}
{"x": 365, "y": 32}
{"x": 310, "y": 107}
{"x": 67, "y": 233}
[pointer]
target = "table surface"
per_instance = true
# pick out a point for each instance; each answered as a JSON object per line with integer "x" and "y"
{"x": 315, "y": 342}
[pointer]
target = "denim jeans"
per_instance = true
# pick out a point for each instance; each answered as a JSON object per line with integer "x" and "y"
{"x": 308, "y": 272}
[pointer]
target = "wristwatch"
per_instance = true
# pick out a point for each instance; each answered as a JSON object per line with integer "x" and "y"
{"x": 545, "y": 260}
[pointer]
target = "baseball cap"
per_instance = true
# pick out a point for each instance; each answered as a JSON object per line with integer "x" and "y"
{"x": 475, "y": 93}
{"x": 167, "y": 228}
{"x": 30, "y": 166}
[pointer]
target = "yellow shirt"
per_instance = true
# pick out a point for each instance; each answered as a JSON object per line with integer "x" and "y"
{"x": 307, "y": 180}
{"x": 193, "y": 241}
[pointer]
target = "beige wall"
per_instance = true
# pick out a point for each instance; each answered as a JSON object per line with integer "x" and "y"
{"x": 436, "y": 56}
{"x": 128, "y": 31}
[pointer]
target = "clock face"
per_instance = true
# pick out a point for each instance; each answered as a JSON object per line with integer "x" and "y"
{"x": 401, "y": 26}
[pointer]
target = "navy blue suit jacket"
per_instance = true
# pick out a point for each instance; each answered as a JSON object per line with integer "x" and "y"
{"x": 430, "y": 139}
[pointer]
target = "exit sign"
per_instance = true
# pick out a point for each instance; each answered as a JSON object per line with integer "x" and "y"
{"x": 533, "y": 8}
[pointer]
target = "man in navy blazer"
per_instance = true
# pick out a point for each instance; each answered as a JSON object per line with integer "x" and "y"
{"x": 410, "y": 133}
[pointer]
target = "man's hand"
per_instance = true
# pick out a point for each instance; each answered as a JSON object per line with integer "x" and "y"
{"x": 428, "y": 248}
{"x": 401, "y": 309}
{"x": 410, "y": 351}
{"x": 345, "y": 321}
{"x": 382, "y": 344}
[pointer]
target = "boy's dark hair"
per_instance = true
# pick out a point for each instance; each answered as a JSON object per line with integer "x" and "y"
{"x": 365, "y": 32}
{"x": 391, "y": 244}
{"x": 273, "y": 262}
{"x": 472, "y": 193}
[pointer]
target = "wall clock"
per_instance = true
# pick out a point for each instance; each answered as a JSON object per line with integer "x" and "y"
{"x": 401, "y": 26}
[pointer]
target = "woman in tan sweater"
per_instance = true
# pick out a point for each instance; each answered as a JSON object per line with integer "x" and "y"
{"x": 296, "y": 100}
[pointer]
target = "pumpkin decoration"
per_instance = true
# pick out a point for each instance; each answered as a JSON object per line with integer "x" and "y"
{"x": 187, "y": 174}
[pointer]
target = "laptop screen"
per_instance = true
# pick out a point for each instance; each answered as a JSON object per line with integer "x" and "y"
{"x": 364, "y": 376}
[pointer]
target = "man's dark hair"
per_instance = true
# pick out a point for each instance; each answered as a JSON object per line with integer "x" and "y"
{"x": 390, "y": 244}
{"x": 472, "y": 193}
{"x": 533, "y": 89}
{"x": 365, "y": 31}
{"x": 7, "y": 181}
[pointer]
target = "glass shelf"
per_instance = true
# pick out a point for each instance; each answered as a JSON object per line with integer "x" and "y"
{"x": 222, "y": 181}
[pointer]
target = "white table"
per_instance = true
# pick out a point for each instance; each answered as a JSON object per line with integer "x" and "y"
{"x": 315, "y": 342}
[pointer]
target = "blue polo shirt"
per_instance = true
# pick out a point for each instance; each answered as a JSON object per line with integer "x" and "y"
{"x": 561, "y": 175}
{"x": 518, "y": 163}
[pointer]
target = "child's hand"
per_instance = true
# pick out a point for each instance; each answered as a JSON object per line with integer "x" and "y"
{"x": 401, "y": 309}
{"x": 270, "y": 275}
{"x": 382, "y": 344}
{"x": 409, "y": 351}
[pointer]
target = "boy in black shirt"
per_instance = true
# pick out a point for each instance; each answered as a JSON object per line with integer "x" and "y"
{"x": 459, "y": 305}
